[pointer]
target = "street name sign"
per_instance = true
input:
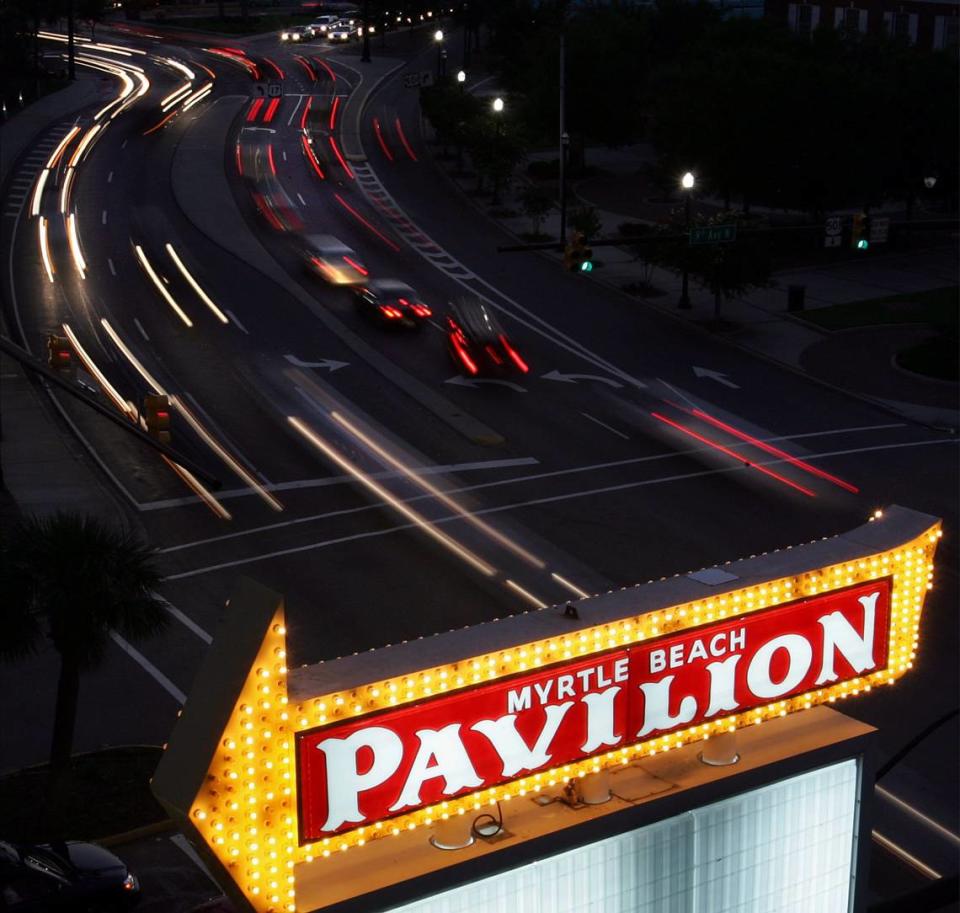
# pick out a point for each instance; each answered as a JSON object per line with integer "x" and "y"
{"x": 713, "y": 234}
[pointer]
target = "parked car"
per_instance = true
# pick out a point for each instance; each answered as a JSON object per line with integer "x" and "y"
{"x": 478, "y": 343}
{"x": 333, "y": 261}
{"x": 70, "y": 875}
{"x": 392, "y": 302}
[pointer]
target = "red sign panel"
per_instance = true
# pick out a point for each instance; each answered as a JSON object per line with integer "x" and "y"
{"x": 381, "y": 765}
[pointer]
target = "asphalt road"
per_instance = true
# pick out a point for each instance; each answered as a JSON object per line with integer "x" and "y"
{"x": 586, "y": 479}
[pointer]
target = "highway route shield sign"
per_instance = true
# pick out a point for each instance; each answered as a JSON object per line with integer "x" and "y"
{"x": 833, "y": 232}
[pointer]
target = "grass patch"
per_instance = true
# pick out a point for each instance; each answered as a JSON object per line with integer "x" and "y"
{"x": 937, "y": 307}
{"x": 935, "y": 357}
{"x": 103, "y": 793}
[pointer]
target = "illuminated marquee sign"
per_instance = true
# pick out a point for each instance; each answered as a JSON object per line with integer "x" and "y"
{"x": 355, "y": 773}
{"x": 277, "y": 771}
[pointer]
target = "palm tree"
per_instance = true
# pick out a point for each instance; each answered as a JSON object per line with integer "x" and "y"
{"x": 74, "y": 579}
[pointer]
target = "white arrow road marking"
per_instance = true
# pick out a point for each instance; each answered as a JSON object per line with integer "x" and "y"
{"x": 327, "y": 363}
{"x": 573, "y": 378}
{"x": 715, "y": 375}
{"x": 472, "y": 382}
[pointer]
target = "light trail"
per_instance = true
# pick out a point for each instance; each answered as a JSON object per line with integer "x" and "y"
{"x": 776, "y": 451}
{"x": 730, "y": 453}
{"x": 441, "y": 496}
{"x": 177, "y": 65}
{"x": 570, "y": 586}
{"x": 45, "y": 248}
{"x": 312, "y": 157}
{"x": 268, "y": 115}
{"x": 55, "y": 155}
{"x": 65, "y": 190}
{"x": 908, "y": 858}
{"x": 333, "y": 110}
{"x": 198, "y": 96}
{"x": 88, "y": 138}
{"x": 127, "y": 89}
{"x": 935, "y": 826}
{"x": 224, "y": 454}
{"x": 340, "y": 158}
{"x": 196, "y": 286}
{"x": 188, "y": 477}
{"x": 403, "y": 138}
{"x": 176, "y": 96}
{"x": 38, "y": 192}
{"x": 255, "y": 107}
{"x": 380, "y": 139}
{"x": 306, "y": 111}
{"x": 369, "y": 225}
{"x": 540, "y": 604}
{"x": 74, "y": 241}
{"x": 123, "y": 405}
{"x": 160, "y": 286}
{"x": 446, "y": 541}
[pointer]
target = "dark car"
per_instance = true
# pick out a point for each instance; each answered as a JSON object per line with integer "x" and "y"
{"x": 81, "y": 877}
{"x": 391, "y": 302}
{"x": 477, "y": 342}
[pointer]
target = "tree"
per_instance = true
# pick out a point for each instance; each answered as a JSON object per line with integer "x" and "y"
{"x": 74, "y": 580}
{"x": 536, "y": 202}
{"x": 586, "y": 221}
{"x": 93, "y": 12}
{"x": 726, "y": 269}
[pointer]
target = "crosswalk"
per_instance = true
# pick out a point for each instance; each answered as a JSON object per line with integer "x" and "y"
{"x": 29, "y": 167}
{"x": 378, "y": 195}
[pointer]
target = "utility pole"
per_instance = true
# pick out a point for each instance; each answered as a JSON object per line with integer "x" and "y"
{"x": 365, "y": 56}
{"x": 71, "y": 70}
{"x": 564, "y": 136}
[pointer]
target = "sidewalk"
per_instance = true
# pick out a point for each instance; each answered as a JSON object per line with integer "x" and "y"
{"x": 45, "y": 467}
{"x": 858, "y": 361}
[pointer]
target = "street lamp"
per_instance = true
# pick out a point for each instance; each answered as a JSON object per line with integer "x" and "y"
{"x": 497, "y": 109}
{"x": 930, "y": 182}
{"x": 441, "y": 54}
{"x": 461, "y": 78}
{"x": 564, "y": 152}
{"x": 686, "y": 182}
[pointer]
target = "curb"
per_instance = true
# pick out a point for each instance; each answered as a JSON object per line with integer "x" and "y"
{"x": 137, "y": 833}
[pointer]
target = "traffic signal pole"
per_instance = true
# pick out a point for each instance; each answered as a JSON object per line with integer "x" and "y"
{"x": 31, "y": 364}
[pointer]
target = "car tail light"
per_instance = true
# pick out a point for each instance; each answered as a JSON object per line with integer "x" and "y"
{"x": 494, "y": 354}
{"x": 457, "y": 339}
{"x": 421, "y": 310}
{"x": 514, "y": 355}
{"x": 391, "y": 312}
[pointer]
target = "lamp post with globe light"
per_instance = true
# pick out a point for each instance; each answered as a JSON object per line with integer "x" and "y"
{"x": 441, "y": 54}
{"x": 687, "y": 182}
{"x": 497, "y": 108}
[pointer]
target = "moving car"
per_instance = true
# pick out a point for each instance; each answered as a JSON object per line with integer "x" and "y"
{"x": 342, "y": 30}
{"x": 296, "y": 33}
{"x": 319, "y": 26}
{"x": 478, "y": 343}
{"x": 333, "y": 261}
{"x": 392, "y": 302}
{"x": 72, "y": 876}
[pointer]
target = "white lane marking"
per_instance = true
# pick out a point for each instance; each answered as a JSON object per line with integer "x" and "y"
{"x": 187, "y": 622}
{"x": 303, "y": 202}
{"x": 284, "y": 154}
{"x": 919, "y": 815}
{"x": 605, "y": 425}
{"x": 113, "y": 271}
{"x": 236, "y": 320}
{"x": 326, "y": 482}
{"x": 143, "y": 332}
{"x": 110, "y": 178}
{"x": 679, "y": 393}
{"x": 718, "y": 376}
{"x": 908, "y": 858}
{"x": 297, "y": 108}
{"x": 149, "y": 668}
{"x": 103, "y": 218}
{"x": 123, "y": 145}
{"x": 535, "y": 502}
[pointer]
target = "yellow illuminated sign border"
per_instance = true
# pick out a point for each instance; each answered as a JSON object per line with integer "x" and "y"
{"x": 246, "y": 810}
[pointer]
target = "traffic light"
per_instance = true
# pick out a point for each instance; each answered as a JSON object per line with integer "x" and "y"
{"x": 578, "y": 257}
{"x": 156, "y": 413}
{"x": 860, "y": 233}
{"x": 59, "y": 353}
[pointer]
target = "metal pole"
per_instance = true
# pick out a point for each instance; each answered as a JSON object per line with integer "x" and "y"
{"x": 684, "y": 297}
{"x": 564, "y": 139}
{"x": 71, "y": 71}
{"x": 365, "y": 55}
